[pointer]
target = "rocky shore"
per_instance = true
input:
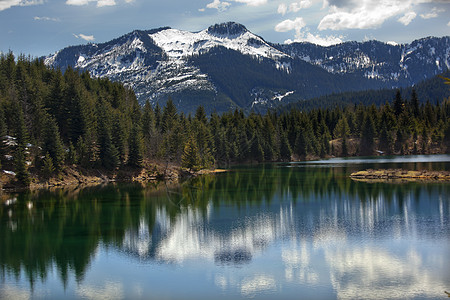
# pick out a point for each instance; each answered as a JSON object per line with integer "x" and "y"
{"x": 399, "y": 174}
{"x": 75, "y": 176}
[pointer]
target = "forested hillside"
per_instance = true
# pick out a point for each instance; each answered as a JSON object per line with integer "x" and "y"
{"x": 431, "y": 90}
{"x": 50, "y": 121}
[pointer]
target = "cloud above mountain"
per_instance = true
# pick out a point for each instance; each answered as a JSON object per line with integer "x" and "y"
{"x": 364, "y": 14}
{"x": 319, "y": 21}
{"x": 343, "y": 15}
{"x": 5, "y": 4}
{"x": 88, "y": 38}
{"x": 99, "y": 3}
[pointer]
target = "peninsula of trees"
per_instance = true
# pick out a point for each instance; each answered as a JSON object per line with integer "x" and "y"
{"x": 50, "y": 121}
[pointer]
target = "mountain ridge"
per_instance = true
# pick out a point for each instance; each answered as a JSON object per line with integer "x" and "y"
{"x": 202, "y": 67}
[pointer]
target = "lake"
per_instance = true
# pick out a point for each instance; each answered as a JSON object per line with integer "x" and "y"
{"x": 273, "y": 231}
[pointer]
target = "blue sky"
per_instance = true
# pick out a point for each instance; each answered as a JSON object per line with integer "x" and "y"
{"x": 41, "y": 27}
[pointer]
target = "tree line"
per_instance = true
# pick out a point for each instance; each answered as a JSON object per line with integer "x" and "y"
{"x": 50, "y": 120}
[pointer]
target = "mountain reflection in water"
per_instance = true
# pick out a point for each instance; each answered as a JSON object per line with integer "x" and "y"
{"x": 252, "y": 232}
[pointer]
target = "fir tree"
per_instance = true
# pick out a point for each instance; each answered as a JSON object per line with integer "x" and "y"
{"x": 190, "y": 158}
{"x": 52, "y": 144}
{"x": 285, "y": 148}
{"x": 3, "y": 148}
{"x": 135, "y": 157}
{"x": 169, "y": 116}
{"x": 414, "y": 103}
{"x": 446, "y": 138}
{"x": 109, "y": 156}
{"x": 256, "y": 150}
{"x": 367, "y": 136}
{"x": 48, "y": 168}
{"x": 200, "y": 115}
{"x": 398, "y": 103}
{"x": 22, "y": 173}
{"x": 300, "y": 144}
{"x": 344, "y": 146}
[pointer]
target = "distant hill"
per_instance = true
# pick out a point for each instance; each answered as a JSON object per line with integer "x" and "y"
{"x": 431, "y": 90}
{"x": 226, "y": 66}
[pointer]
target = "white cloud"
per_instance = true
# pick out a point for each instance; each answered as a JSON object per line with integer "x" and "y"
{"x": 363, "y": 14}
{"x": 102, "y": 3}
{"x": 302, "y": 33}
{"x": 432, "y": 14}
{"x": 296, "y": 6}
{"x": 220, "y": 6}
{"x": 407, "y": 18}
{"x": 5, "y": 4}
{"x": 282, "y": 9}
{"x": 448, "y": 24}
{"x": 77, "y": 2}
{"x": 89, "y": 38}
{"x": 46, "y": 19}
{"x": 308, "y": 37}
{"x": 252, "y": 2}
{"x": 288, "y": 25}
{"x": 323, "y": 41}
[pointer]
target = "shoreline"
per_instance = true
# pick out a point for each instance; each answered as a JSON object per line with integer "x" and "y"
{"x": 388, "y": 175}
{"x": 75, "y": 176}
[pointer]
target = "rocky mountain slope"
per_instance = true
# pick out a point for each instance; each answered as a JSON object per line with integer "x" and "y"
{"x": 226, "y": 66}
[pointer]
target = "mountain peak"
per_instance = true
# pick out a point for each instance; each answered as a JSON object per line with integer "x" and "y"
{"x": 229, "y": 28}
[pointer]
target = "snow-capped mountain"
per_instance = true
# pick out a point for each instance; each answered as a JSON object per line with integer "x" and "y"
{"x": 227, "y": 66}
{"x": 401, "y": 65}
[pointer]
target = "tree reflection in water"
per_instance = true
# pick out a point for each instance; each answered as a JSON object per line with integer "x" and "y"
{"x": 327, "y": 228}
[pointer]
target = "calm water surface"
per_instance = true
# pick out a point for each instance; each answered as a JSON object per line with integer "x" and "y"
{"x": 279, "y": 231}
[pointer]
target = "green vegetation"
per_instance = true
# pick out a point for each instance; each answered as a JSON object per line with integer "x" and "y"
{"x": 55, "y": 120}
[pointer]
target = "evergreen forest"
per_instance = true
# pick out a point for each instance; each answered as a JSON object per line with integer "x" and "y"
{"x": 50, "y": 121}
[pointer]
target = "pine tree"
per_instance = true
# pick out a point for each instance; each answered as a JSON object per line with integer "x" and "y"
{"x": 367, "y": 136}
{"x": 342, "y": 128}
{"x": 399, "y": 140}
{"x": 285, "y": 148}
{"x": 158, "y": 117}
{"x": 2, "y": 137}
{"x": 135, "y": 157}
{"x": 52, "y": 144}
{"x": 205, "y": 143}
{"x": 414, "y": 103}
{"x": 386, "y": 141}
{"x": 75, "y": 110}
{"x": 72, "y": 156}
{"x": 190, "y": 158}
{"x": 109, "y": 156}
{"x": 22, "y": 173}
{"x": 300, "y": 144}
{"x": 256, "y": 150}
{"x": 148, "y": 121}
{"x": 200, "y": 114}
{"x": 344, "y": 146}
{"x": 446, "y": 139}
{"x": 169, "y": 116}
{"x": 398, "y": 103}
{"x": 48, "y": 168}
{"x": 119, "y": 137}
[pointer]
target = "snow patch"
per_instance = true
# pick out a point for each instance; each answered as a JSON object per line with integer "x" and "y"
{"x": 180, "y": 44}
{"x": 280, "y": 97}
